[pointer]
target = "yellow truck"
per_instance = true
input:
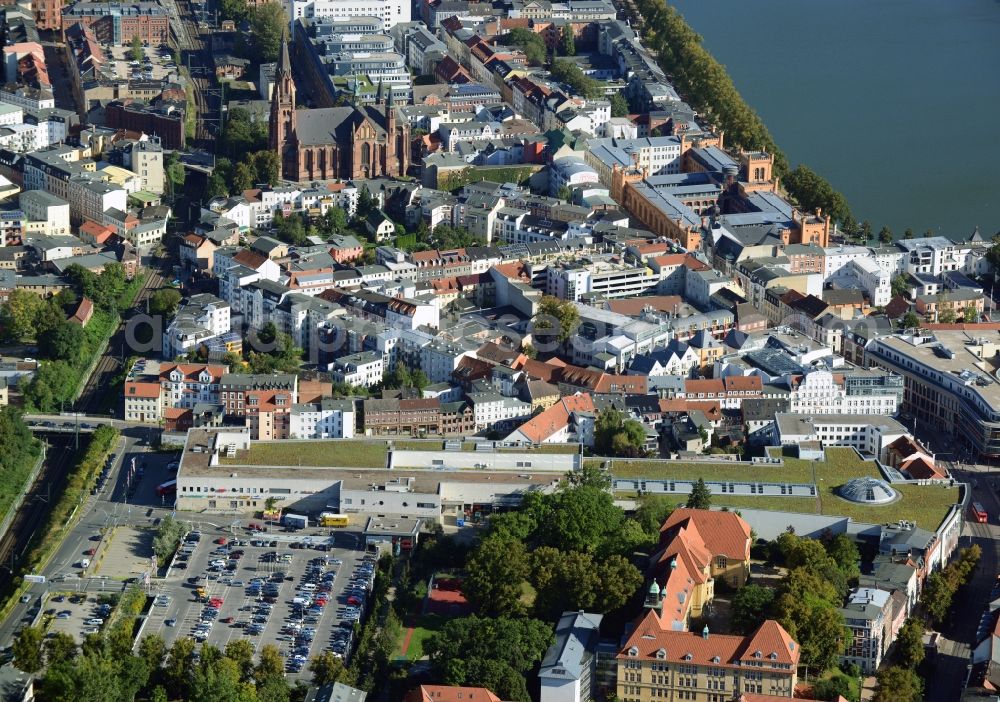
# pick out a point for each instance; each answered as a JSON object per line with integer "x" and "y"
{"x": 330, "y": 519}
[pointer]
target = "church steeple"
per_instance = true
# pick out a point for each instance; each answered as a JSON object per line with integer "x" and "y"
{"x": 282, "y": 122}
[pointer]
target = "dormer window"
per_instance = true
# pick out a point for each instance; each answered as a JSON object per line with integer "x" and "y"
{"x": 757, "y": 654}
{"x": 773, "y": 656}
{"x": 688, "y": 656}
{"x": 715, "y": 659}
{"x": 661, "y": 654}
{"x": 633, "y": 651}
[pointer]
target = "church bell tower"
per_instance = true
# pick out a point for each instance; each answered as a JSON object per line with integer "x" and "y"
{"x": 282, "y": 122}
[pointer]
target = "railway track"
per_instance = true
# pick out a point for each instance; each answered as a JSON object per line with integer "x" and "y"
{"x": 93, "y": 395}
{"x": 36, "y": 506}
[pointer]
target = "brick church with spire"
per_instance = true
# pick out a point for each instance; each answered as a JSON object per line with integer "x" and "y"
{"x": 335, "y": 142}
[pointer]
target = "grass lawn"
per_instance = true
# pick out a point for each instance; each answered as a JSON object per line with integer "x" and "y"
{"x": 423, "y": 628}
{"x": 841, "y": 464}
{"x": 418, "y": 445}
{"x": 343, "y": 453}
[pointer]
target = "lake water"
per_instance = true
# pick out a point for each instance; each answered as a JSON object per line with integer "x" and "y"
{"x": 896, "y": 103}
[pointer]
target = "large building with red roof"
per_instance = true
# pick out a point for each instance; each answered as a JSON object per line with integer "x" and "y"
{"x": 659, "y": 663}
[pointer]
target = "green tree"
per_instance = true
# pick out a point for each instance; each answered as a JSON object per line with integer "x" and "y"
{"x": 218, "y": 680}
{"x": 235, "y": 10}
{"x": 215, "y": 187}
{"x": 530, "y": 43}
{"x": 842, "y": 549}
{"x": 326, "y": 668}
{"x": 700, "y": 497}
{"x": 589, "y": 475}
{"x": 53, "y": 385}
{"x": 65, "y": 342}
{"x": 910, "y": 644}
{"x": 135, "y": 51}
{"x": 812, "y": 192}
{"x": 652, "y": 511}
{"x": 497, "y": 569}
{"x": 937, "y": 596}
{"x": 896, "y": 684}
{"x": 153, "y": 650}
{"x": 614, "y": 435}
{"x": 908, "y": 234}
{"x": 836, "y": 685}
{"x": 555, "y": 319}
{"x": 164, "y": 301}
{"x": 27, "y": 649}
{"x": 565, "y": 194}
{"x": 579, "y": 519}
{"x": 498, "y": 652}
{"x": 20, "y": 314}
{"x": 243, "y": 178}
{"x": 899, "y": 285}
{"x": 270, "y": 665}
{"x": 947, "y": 316}
{"x": 885, "y": 235}
{"x": 567, "y": 41}
{"x": 267, "y": 27}
{"x": 241, "y": 652}
{"x": 265, "y": 164}
{"x": 970, "y": 315}
{"x": 749, "y": 605}
{"x": 60, "y": 647}
{"x": 910, "y": 320}
{"x": 993, "y": 253}
{"x": 569, "y": 73}
{"x": 865, "y": 231}
{"x": 619, "y": 105}
{"x": 179, "y": 668}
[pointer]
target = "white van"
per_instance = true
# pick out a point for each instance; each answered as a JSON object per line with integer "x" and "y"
{"x": 309, "y": 587}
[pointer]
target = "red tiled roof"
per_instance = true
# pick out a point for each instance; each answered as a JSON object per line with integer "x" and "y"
{"x": 250, "y": 259}
{"x": 445, "y": 693}
{"x": 84, "y": 311}
{"x": 140, "y": 389}
{"x": 724, "y": 533}
{"x": 721, "y": 650}
{"x": 191, "y": 371}
{"x": 555, "y": 418}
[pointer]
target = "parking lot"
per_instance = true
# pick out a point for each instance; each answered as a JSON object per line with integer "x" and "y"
{"x": 277, "y": 588}
{"x": 77, "y": 614}
{"x": 156, "y": 64}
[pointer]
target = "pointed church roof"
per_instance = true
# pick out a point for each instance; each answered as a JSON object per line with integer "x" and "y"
{"x": 284, "y": 62}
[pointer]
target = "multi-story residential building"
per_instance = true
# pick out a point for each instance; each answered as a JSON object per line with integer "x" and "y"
{"x": 569, "y": 669}
{"x": 264, "y": 400}
{"x": 949, "y": 385}
{"x": 846, "y": 392}
{"x": 40, "y": 206}
{"x": 152, "y": 388}
{"x": 202, "y": 318}
{"x": 402, "y": 417}
{"x": 868, "y": 615}
{"x": 494, "y": 411}
{"x": 935, "y": 255}
{"x": 326, "y": 419}
{"x": 657, "y": 662}
{"x": 363, "y": 369}
{"x": 651, "y": 155}
{"x": 869, "y": 434}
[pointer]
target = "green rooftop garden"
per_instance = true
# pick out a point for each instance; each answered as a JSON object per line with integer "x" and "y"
{"x": 335, "y": 453}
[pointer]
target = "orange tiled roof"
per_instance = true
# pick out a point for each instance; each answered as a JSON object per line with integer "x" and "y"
{"x": 723, "y": 533}
{"x": 446, "y": 693}
{"x": 140, "y": 389}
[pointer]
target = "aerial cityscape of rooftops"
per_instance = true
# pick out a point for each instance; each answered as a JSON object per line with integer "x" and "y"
{"x": 468, "y": 351}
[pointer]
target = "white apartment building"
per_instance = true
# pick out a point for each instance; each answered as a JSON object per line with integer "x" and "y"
{"x": 203, "y": 318}
{"x": 40, "y": 206}
{"x": 363, "y": 369}
{"x": 868, "y": 614}
{"x": 188, "y": 384}
{"x": 327, "y": 419}
{"x": 935, "y": 255}
{"x": 656, "y": 155}
{"x": 390, "y": 12}
{"x": 89, "y": 199}
{"x": 491, "y": 409}
{"x": 869, "y": 434}
{"x": 10, "y": 114}
{"x": 876, "y": 282}
{"x": 823, "y": 392}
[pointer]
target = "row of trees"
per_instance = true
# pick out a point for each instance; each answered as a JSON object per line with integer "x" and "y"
{"x": 941, "y": 585}
{"x": 708, "y": 87}
{"x": 169, "y": 533}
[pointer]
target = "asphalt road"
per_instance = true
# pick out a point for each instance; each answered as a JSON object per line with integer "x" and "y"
{"x": 948, "y": 671}
{"x": 100, "y": 511}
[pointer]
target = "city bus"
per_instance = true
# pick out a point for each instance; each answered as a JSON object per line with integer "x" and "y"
{"x": 978, "y": 513}
{"x": 329, "y": 519}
